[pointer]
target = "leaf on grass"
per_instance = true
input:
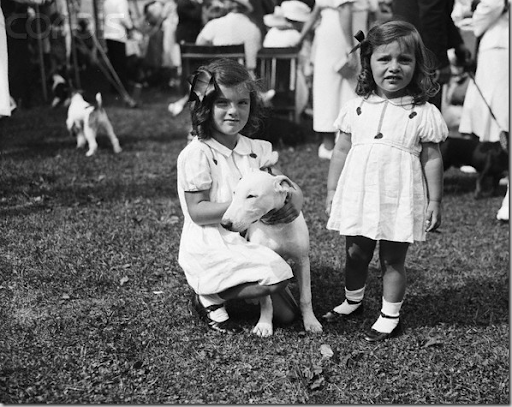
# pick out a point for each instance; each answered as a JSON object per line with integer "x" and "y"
{"x": 317, "y": 383}
{"x": 101, "y": 177}
{"x": 326, "y": 351}
{"x": 433, "y": 342}
{"x": 123, "y": 280}
{"x": 158, "y": 292}
{"x": 65, "y": 297}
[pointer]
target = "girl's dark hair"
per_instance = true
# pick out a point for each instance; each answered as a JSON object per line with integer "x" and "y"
{"x": 422, "y": 85}
{"x": 228, "y": 73}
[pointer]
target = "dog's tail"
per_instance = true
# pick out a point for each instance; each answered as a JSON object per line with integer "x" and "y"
{"x": 99, "y": 100}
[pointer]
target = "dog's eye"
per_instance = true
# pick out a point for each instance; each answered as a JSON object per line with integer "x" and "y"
{"x": 251, "y": 196}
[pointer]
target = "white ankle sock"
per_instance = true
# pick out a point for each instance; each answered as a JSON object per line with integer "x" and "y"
{"x": 390, "y": 309}
{"x": 355, "y": 297}
{"x": 220, "y": 314}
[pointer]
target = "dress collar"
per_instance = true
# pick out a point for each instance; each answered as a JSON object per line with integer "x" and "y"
{"x": 242, "y": 147}
{"x": 401, "y": 101}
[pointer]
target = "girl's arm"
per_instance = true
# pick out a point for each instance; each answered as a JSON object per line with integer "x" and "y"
{"x": 339, "y": 156}
{"x": 432, "y": 163}
{"x": 202, "y": 210}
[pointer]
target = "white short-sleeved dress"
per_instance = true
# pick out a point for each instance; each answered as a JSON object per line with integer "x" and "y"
{"x": 213, "y": 258}
{"x": 381, "y": 193}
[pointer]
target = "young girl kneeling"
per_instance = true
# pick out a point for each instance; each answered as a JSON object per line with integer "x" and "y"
{"x": 385, "y": 179}
{"x": 221, "y": 265}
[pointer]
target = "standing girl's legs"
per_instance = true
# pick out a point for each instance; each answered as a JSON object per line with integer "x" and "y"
{"x": 394, "y": 280}
{"x": 359, "y": 253}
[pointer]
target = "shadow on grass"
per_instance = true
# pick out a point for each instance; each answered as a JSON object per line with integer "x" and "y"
{"x": 476, "y": 303}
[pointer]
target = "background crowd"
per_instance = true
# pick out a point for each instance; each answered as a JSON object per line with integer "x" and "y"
{"x": 467, "y": 37}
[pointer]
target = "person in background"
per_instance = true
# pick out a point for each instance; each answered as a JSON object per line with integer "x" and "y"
{"x": 19, "y": 66}
{"x": 5, "y": 108}
{"x": 261, "y": 8}
{"x": 221, "y": 265}
{"x": 385, "y": 182}
{"x": 232, "y": 29}
{"x": 334, "y": 68}
{"x": 432, "y": 18}
{"x": 189, "y": 20}
{"x": 284, "y": 27}
{"x": 490, "y": 24}
{"x": 117, "y": 27}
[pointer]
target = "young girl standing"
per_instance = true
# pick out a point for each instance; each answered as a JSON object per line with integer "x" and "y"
{"x": 221, "y": 265}
{"x": 385, "y": 179}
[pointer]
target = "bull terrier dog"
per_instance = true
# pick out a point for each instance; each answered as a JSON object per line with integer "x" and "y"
{"x": 85, "y": 120}
{"x": 256, "y": 194}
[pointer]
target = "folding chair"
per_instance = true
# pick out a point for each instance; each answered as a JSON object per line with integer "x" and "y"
{"x": 193, "y": 56}
{"x": 278, "y": 71}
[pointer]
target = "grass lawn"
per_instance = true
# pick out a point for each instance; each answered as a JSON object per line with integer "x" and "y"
{"x": 94, "y": 307}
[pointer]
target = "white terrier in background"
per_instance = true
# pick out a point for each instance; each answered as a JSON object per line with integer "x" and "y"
{"x": 84, "y": 120}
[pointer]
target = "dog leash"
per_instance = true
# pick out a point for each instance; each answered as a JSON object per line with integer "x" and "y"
{"x": 503, "y": 134}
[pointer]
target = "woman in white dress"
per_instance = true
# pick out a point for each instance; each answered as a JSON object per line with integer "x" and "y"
{"x": 333, "y": 40}
{"x": 490, "y": 22}
{"x": 5, "y": 109}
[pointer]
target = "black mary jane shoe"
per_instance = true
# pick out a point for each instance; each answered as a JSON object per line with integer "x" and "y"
{"x": 333, "y": 316}
{"x": 225, "y": 327}
{"x": 374, "y": 336}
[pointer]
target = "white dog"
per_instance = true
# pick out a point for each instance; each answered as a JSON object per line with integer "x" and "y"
{"x": 84, "y": 120}
{"x": 255, "y": 195}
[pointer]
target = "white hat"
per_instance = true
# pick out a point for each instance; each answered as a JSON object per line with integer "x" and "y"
{"x": 295, "y": 10}
{"x": 276, "y": 19}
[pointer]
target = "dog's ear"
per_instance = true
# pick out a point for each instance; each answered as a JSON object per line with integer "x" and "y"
{"x": 282, "y": 183}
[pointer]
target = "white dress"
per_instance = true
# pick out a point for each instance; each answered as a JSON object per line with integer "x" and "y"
{"x": 213, "y": 258}
{"x": 330, "y": 89}
{"x": 381, "y": 193}
{"x": 492, "y": 74}
{"x": 5, "y": 109}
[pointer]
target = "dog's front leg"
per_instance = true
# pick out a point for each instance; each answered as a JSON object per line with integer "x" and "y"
{"x": 303, "y": 275}
{"x": 264, "y": 326}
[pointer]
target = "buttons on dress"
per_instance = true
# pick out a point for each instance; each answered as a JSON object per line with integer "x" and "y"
{"x": 412, "y": 115}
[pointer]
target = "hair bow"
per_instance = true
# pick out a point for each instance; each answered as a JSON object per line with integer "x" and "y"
{"x": 360, "y": 38}
{"x": 202, "y": 83}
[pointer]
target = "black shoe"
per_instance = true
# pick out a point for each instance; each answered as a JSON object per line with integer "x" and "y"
{"x": 225, "y": 327}
{"x": 373, "y": 336}
{"x": 333, "y": 316}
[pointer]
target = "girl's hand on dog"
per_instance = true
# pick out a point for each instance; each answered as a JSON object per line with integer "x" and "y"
{"x": 433, "y": 216}
{"x": 289, "y": 212}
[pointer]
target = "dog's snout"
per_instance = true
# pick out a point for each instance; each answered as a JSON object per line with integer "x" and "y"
{"x": 227, "y": 225}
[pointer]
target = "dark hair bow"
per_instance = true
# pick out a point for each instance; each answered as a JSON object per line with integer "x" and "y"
{"x": 202, "y": 83}
{"x": 360, "y": 38}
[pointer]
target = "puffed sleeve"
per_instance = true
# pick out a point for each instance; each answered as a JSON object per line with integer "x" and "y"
{"x": 267, "y": 157}
{"x": 433, "y": 128}
{"x": 343, "y": 121}
{"x": 194, "y": 172}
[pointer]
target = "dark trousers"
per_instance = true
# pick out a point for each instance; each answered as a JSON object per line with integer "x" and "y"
{"x": 116, "y": 52}
{"x": 20, "y": 70}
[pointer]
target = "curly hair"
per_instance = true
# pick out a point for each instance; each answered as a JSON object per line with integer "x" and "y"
{"x": 228, "y": 73}
{"x": 422, "y": 85}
